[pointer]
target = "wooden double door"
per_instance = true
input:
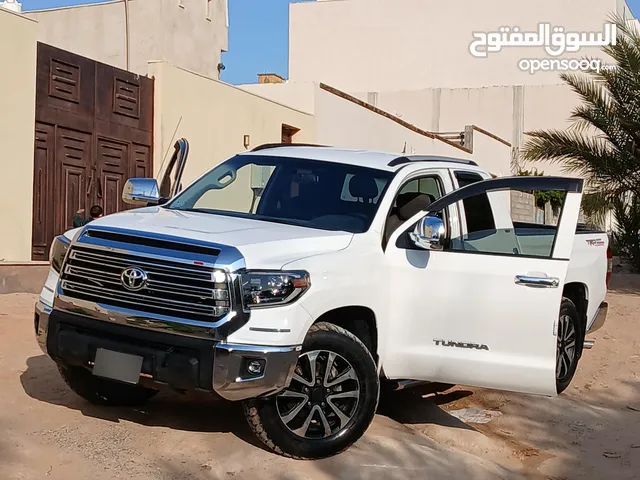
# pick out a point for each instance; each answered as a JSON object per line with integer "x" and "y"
{"x": 94, "y": 130}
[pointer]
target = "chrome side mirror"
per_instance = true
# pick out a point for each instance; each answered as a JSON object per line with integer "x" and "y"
{"x": 141, "y": 192}
{"x": 429, "y": 233}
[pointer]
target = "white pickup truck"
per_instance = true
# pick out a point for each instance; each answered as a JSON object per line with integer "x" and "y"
{"x": 298, "y": 278}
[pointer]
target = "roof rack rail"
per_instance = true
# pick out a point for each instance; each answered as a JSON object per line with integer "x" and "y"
{"x": 426, "y": 158}
{"x": 266, "y": 146}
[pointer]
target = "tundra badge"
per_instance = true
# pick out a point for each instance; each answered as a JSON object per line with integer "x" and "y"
{"x": 451, "y": 343}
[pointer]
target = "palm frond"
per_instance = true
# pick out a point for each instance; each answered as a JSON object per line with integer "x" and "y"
{"x": 603, "y": 143}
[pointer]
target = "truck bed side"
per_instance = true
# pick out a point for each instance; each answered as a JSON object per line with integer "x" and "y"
{"x": 588, "y": 264}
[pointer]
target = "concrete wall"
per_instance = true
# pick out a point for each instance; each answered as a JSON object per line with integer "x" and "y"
{"x": 342, "y": 123}
{"x": 214, "y": 117}
{"x": 544, "y": 108}
{"x": 345, "y": 124}
{"x": 159, "y": 30}
{"x": 506, "y": 111}
{"x": 491, "y": 154}
{"x": 390, "y": 45}
{"x": 17, "y": 120}
{"x": 298, "y": 95}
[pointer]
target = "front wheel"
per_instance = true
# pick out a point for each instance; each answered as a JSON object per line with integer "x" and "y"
{"x": 567, "y": 351}
{"x": 330, "y": 402}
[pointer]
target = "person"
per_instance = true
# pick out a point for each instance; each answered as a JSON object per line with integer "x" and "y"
{"x": 95, "y": 212}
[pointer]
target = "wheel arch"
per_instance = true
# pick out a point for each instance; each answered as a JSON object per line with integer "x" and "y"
{"x": 578, "y": 293}
{"x": 360, "y": 320}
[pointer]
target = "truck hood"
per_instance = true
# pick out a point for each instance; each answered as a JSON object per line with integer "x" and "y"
{"x": 263, "y": 244}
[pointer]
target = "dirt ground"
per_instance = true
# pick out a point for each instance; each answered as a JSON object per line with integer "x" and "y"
{"x": 591, "y": 431}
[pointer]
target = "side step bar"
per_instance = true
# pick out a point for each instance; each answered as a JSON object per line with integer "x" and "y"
{"x": 405, "y": 384}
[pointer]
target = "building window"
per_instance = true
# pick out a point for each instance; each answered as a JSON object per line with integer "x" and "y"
{"x": 209, "y": 6}
{"x": 288, "y": 132}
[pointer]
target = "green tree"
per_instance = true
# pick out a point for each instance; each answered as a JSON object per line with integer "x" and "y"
{"x": 554, "y": 197}
{"x": 603, "y": 143}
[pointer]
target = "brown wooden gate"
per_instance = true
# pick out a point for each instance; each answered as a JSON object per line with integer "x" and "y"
{"x": 94, "y": 130}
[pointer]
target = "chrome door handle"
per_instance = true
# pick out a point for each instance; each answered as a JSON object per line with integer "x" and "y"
{"x": 537, "y": 282}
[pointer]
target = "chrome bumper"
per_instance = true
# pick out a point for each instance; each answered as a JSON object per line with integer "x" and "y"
{"x": 232, "y": 379}
{"x": 600, "y": 318}
{"x": 41, "y": 324}
{"x": 230, "y": 375}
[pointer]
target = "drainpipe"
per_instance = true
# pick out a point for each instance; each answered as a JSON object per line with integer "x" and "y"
{"x": 126, "y": 33}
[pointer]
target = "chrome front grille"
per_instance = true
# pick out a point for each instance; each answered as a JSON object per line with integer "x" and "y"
{"x": 179, "y": 289}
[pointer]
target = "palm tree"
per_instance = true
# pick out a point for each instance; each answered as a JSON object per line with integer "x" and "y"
{"x": 603, "y": 143}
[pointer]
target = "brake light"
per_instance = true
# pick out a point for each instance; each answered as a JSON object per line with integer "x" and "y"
{"x": 609, "y": 263}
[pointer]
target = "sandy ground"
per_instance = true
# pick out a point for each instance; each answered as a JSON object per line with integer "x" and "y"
{"x": 592, "y": 431}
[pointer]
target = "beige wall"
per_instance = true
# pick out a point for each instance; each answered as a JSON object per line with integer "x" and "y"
{"x": 17, "y": 120}
{"x": 390, "y": 45}
{"x": 548, "y": 107}
{"x": 345, "y": 124}
{"x": 159, "y": 30}
{"x": 214, "y": 117}
{"x": 300, "y": 96}
{"x": 506, "y": 111}
{"x": 492, "y": 155}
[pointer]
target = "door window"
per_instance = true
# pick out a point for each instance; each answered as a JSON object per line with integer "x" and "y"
{"x": 502, "y": 222}
{"x": 413, "y": 196}
{"x": 477, "y": 209}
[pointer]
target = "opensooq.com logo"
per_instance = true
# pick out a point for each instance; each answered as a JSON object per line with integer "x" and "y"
{"x": 555, "y": 41}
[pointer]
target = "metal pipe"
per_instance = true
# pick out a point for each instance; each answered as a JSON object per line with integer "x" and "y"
{"x": 588, "y": 344}
{"x": 126, "y": 33}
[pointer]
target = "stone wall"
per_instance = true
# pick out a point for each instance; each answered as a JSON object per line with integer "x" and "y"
{"x": 523, "y": 208}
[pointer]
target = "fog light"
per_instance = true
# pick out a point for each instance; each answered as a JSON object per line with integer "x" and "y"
{"x": 255, "y": 367}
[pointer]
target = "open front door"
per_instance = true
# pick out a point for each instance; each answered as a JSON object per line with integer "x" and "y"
{"x": 481, "y": 306}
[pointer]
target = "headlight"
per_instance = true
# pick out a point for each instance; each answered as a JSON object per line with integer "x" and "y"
{"x": 264, "y": 288}
{"x": 58, "y": 251}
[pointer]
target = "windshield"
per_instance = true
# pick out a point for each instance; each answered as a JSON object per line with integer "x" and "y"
{"x": 324, "y": 195}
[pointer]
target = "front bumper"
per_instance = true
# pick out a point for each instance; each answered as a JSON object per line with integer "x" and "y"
{"x": 600, "y": 317}
{"x": 170, "y": 360}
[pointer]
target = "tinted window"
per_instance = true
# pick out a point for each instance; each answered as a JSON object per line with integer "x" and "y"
{"x": 513, "y": 230}
{"x": 325, "y": 195}
{"x": 428, "y": 185}
{"x": 477, "y": 209}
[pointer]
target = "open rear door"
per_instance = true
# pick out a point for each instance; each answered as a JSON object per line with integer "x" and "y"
{"x": 481, "y": 308}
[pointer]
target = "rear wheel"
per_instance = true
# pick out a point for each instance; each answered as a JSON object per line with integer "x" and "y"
{"x": 330, "y": 402}
{"x": 569, "y": 337}
{"x": 101, "y": 391}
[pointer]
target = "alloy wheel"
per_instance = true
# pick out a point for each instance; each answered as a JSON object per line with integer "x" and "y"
{"x": 566, "y": 350}
{"x": 323, "y": 395}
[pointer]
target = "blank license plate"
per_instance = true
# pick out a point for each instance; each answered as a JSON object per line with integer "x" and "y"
{"x": 117, "y": 366}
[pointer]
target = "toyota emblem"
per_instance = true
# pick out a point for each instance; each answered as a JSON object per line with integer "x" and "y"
{"x": 133, "y": 278}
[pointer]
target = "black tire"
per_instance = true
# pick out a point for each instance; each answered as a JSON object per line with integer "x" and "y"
{"x": 264, "y": 415}
{"x": 570, "y": 332}
{"x": 102, "y": 391}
